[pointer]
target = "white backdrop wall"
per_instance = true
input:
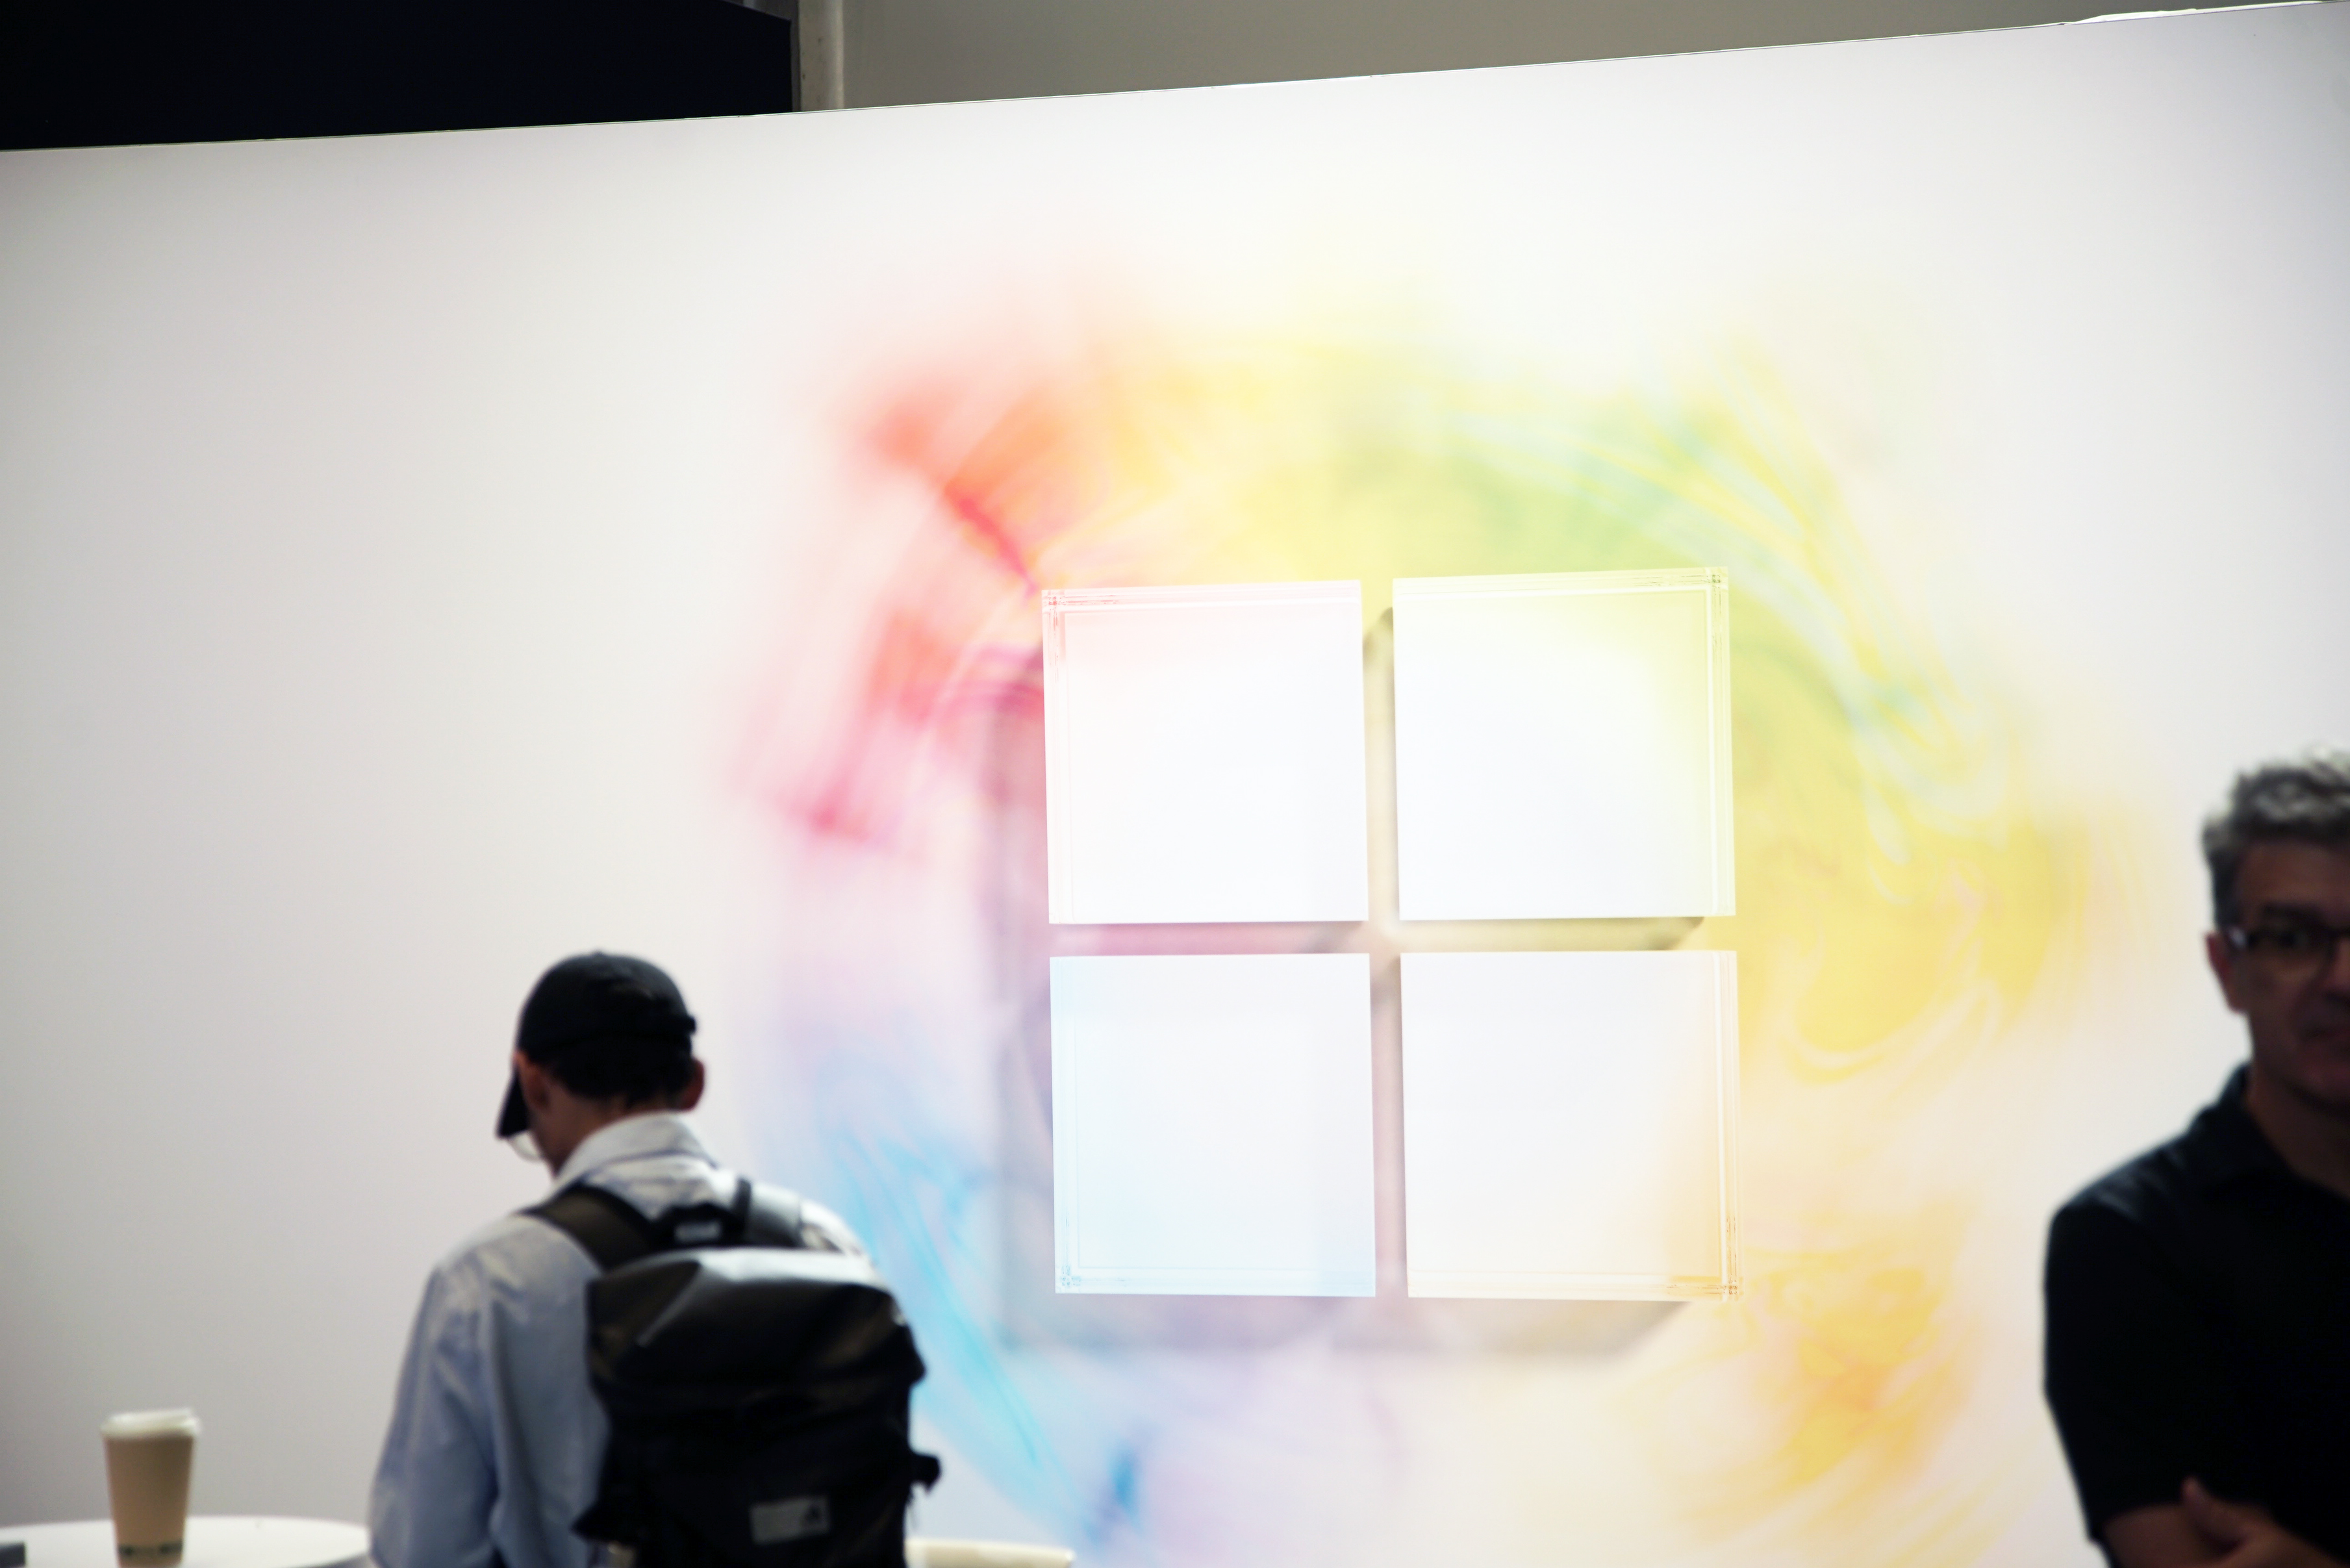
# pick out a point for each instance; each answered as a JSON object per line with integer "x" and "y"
{"x": 422, "y": 557}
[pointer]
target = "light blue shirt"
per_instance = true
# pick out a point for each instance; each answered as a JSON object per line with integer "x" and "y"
{"x": 497, "y": 1442}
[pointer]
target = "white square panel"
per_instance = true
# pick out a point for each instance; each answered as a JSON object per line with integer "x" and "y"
{"x": 1569, "y": 1124}
{"x": 1212, "y": 1125}
{"x": 1562, "y": 746}
{"x": 1204, "y": 753}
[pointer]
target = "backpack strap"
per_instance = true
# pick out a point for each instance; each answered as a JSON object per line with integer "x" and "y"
{"x": 777, "y": 1222}
{"x": 615, "y": 1232}
{"x": 740, "y": 1210}
{"x": 606, "y": 1225}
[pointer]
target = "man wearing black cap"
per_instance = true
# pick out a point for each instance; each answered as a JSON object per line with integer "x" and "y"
{"x": 496, "y": 1439}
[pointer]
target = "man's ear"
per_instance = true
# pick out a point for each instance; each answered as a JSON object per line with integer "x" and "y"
{"x": 2223, "y": 966}
{"x": 691, "y": 1096}
{"x": 537, "y": 1083}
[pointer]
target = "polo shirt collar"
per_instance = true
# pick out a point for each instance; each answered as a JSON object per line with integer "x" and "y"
{"x": 2224, "y": 1145}
{"x": 638, "y": 1136}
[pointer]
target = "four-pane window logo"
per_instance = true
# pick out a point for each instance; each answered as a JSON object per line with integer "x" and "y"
{"x": 1482, "y": 835}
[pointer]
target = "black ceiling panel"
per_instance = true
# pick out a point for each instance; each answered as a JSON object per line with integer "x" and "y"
{"x": 92, "y": 72}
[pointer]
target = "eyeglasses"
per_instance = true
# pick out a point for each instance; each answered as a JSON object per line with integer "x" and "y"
{"x": 2290, "y": 947}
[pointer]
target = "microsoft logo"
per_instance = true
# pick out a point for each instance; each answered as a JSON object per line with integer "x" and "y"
{"x": 1424, "y": 831}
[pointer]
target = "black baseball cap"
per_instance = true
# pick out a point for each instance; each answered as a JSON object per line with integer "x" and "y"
{"x": 600, "y": 997}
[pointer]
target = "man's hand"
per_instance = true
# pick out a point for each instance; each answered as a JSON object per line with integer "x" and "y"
{"x": 2247, "y": 1537}
{"x": 2201, "y": 1530}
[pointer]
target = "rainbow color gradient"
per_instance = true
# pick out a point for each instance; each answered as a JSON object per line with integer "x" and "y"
{"x": 1903, "y": 896}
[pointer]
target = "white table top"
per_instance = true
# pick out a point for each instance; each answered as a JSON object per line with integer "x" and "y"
{"x": 214, "y": 1541}
{"x": 928, "y": 1553}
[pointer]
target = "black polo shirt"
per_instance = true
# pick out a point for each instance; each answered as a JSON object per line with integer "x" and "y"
{"x": 2199, "y": 1324}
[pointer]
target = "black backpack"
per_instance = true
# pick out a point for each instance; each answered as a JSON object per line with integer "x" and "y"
{"x": 757, "y": 1386}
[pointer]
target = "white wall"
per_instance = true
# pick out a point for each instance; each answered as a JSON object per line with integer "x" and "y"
{"x": 943, "y": 51}
{"x": 389, "y": 529}
{"x": 328, "y": 725}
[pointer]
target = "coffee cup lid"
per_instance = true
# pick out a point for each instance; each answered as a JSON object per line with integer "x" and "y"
{"x": 151, "y": 1424}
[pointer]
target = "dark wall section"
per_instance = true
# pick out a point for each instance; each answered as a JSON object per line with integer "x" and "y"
{"x": 936, "y": 51}
{"x": 92, "y": 72}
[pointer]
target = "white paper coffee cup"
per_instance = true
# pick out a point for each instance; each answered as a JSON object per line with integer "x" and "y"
{"x": 150, "y": 1456}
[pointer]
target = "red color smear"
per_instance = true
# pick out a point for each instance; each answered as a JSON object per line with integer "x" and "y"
{"x": 932, "y": 694}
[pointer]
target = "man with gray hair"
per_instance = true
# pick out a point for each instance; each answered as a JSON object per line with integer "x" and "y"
{"x": 2199, "y": 1297}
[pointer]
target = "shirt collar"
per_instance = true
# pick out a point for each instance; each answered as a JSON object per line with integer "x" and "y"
{"x": 2223, "y": 1144}
{"x": 632, "y": 1137}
